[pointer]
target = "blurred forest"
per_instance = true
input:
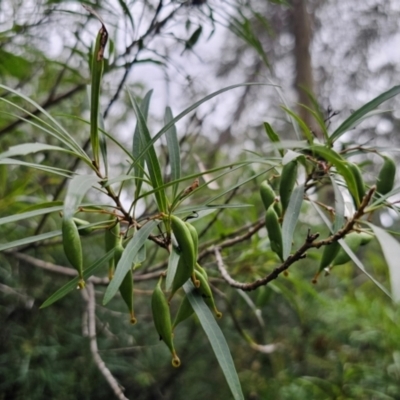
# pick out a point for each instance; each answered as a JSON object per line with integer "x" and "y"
{"x": 291, "y": 339}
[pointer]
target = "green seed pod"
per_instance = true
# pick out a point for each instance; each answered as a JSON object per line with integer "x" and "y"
{"x": 111, "y": 239}
{"x": 267, "y": 194}
{"x": 81, "y": 223}
{"x": 288, "y": 180}
{"x": 366, "y": 237}
{"x": 73, "y": 248}
{"x": 195, "y": 238}
{"x": 355, "y": 170}
{"x": 274, "y": 231}
{"x": 126, "y": 288}
{"x": 162, "y": 320}
{"x": 185, "y": 241}
{"x": 386, "y": 176}
{"x": 329, "y": 254}
{"x": 206, "y": 293}
{"x": 201, "y": 270}
{"x": 184, "y": 312}
{"x": 353, "y": 240}
{"x": 182, "y": 274}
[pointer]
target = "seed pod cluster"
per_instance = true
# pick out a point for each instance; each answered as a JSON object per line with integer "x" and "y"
{"x": 73, "y": 247}
{"x": 288, "y": 180}
{"x": 386, "y": 176}
{"x": 162, "y": 320}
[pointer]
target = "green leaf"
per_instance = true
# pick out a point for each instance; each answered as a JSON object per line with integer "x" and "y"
{"x": 341, "y": 166}
{"x": 73, "y": 284}
{"x": 125, "y": 263}
{"x": 152, "y": 162}
{"x": 273, "y": 136}
{"x": 137, "y": 145}
{"x": 29, "y": 214}
{"x": 29, "y": 148}
{"x": 173, "y": 150}
{"x": 172, "y": 265}
{"x": 97, "y": 73}
{"x": 290, "y": 220}
{"x": 216, "y": 339}
{"x": 391, "y": 250}
{"x": 361, "y": 112}
{"x": 52, "y": 170}
{"x": 29, "y": 240}
{"x": 306, "y": 130}
{"x": 77, "y": 188}
{"x": 339, "y": 206}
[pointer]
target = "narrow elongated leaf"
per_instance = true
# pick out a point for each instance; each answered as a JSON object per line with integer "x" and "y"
{"x": 341, "y": 166}
{"x": 290, "y": 220}
{"x": 29, "y": 148}
{"x": 71, "y": 285}
{"x": 339, "y": 206}
{"x": 29, "y": 240}
{"x": 137, "y": 145}
{"x": 97, "y": 73}
{"x": 77, "y": 188}
{"x": 306, "y": 130}
{"x": 29, "y": 214}
{"x": 172, "y": 265}
{"x": 173, "y": 150}
{"x": 125, "y": 263}
{"x": 193, "y": 107}
{"x": 152, "y": 162}
{"x": 361, "y": 112}
{"x": 216, "y": 339}
{"x": 52, "y": 170}
{"x": 391, "y": 250}
{"x": 273, "y": 136}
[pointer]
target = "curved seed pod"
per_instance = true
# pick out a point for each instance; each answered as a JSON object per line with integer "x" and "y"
{"x": 195, "y": 238}
{"x": 288, "y": 180}
{"x": 126, "y": 288}
{"x": 81, "y": 223}
{"x": 111, "y": 239}
{"x": 366, "y": 237}
{"x": 267, "y": 194}
{"x": 182, "y": 274}
{"x": 386, "y": 176}
{"x": 278, "y": 208}
{"x": 185, "y": 241}
{"x": 353, "y": 240}
{"x": 355, "y": 170}
{"x": 274, "y": 231}
{"x": 162, "y": 320}
{"x": 73, "y": 248}
{"x": 184, "y": 312}
{"x": 206, "y": 293}
{"x": 201, "y": 270}
{"x": 329, "y": 254}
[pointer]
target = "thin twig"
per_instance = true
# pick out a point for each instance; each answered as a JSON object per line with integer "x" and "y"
{"x": 91, "y": 310}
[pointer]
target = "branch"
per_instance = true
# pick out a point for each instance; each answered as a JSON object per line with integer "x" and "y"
{"x": 309, "y": 243}
{"x": 91, "y": 310}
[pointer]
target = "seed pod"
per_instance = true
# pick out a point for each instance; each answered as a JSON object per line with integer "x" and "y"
{"x": 182, "y": 274}
{"x": 185, "y": 241}
{"x": 184, "y": 312}
{"x": 355, "y": 170}
{"x": 73, "y": 248}
{"x": 81, "y": 223}
{"x": 201, "y": 270}
{"x": 162, "y": 320}
{"x": 274, "y": 231}
{"x": 386, "y": 176}
{"x": 353, "y": 240}
{"x": 366, "y": 237}
{"x": 126, "y": 288}
{"x": 288, "y": 180}
{"x": 329, "y": 254}
{"x": 195, "y": 238}
{"x": 111, "y": 239}
{"x": 206, "y": 293}
{"x": 267, "y": 194}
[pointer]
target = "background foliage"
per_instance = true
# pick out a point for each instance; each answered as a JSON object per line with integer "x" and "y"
{"x": 290, "y": 339}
